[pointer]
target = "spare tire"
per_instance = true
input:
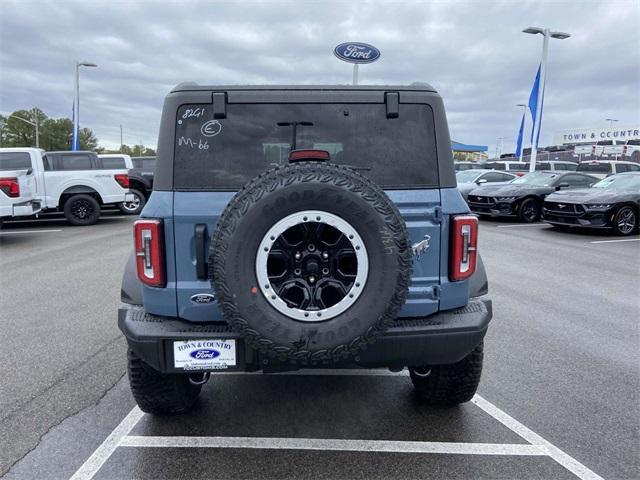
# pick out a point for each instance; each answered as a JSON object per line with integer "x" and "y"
{"x": 310, "y": 263}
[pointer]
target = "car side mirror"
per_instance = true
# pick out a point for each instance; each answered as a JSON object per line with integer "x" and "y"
{"x": 29, "y": 171}
{"x": 481, "y": 181}
{"x": 562, "y": 185}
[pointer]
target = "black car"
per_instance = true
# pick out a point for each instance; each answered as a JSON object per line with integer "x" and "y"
{"x": 140, "y": 183}
{"x": 523, "y": 197}
{"x": 612, "y": 203}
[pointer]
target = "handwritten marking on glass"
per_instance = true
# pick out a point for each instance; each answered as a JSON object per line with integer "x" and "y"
{"x": 211, "y": 128}
{"x": 200, "y": 145}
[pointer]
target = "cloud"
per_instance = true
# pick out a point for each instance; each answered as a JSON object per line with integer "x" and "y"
{"x": 473, "y": 52}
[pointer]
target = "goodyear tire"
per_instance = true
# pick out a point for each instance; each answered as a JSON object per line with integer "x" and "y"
{"x": 310, "y": 263}
{"x": 160, "y": 393}
{"x": 448, "y": 385}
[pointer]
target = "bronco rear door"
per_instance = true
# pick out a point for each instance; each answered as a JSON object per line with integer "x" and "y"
{"x": 220, "y": 146}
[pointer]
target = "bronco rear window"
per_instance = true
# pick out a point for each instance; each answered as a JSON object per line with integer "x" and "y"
{"x": 224, "y": 154}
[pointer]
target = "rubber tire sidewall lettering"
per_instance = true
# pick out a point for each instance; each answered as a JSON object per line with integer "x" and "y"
{"x": 277, "y": 194}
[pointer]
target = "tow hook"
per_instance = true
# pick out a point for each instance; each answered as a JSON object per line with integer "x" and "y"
{"x": 202, "y": 381}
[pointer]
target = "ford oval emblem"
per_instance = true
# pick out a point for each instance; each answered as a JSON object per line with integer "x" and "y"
{"x": 200, "y": 298}
{"x": 355, "y": 52}
{"x": 204, "y": 354}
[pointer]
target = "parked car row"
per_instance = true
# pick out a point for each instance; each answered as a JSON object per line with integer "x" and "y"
{"x": 564, "y": 199}
{"x": 597, "y": 168}
{"x": 75, "y": 183}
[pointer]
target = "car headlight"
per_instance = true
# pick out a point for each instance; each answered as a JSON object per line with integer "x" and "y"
{"x": 506, "y": 199}
{"x": 599, "y": 206}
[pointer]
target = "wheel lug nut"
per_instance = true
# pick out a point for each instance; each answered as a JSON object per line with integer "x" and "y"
{"x": 298, "y": 256}
{"x": 297, "y": 271}
{"x": 312, "y": 279}
{"x": 325, "y": 271}
{"x": 325, "y": 255}
{"x": 311, "y": 247}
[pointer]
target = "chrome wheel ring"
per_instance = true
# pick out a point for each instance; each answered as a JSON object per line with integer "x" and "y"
{"x": 312, "y": 265}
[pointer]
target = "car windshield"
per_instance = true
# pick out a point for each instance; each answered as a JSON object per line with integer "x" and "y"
{"x": 594, "y": 167}
{"x": 537, "y": 179}
{"x": 620, "y": 182}
{"x": 467, "y": 176}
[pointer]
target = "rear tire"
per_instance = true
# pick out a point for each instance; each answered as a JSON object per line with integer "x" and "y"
{"x": 82, "y": 210}
{"x": 448, "y": 385}
{"x": 134, "y": 207}
{"x": 160, "y": 393}
{"x": 625, "y": 221}
{"x": 529, "y": 210}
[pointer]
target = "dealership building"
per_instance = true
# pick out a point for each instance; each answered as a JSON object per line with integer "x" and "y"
{"x": 575, "y": 136}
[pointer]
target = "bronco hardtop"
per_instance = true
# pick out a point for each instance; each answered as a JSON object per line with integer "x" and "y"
{"x": 303, "y": 227}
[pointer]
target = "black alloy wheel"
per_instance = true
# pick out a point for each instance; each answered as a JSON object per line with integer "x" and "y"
{"x": 529, "y": 210}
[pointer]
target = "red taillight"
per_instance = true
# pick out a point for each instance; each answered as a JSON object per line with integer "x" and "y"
{"x": 149, "y": 247}
{"x": 10, "y": 187}
{"x": 519, "y": 174}
{"x": 122, "y": 179}
{"x": 464, "y": 245}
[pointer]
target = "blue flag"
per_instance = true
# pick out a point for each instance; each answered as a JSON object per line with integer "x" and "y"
{"x": 520, "y": 134}
{"x": 533, "y": 106}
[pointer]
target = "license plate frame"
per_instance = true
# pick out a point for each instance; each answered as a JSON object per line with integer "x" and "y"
{"x": 205, "y": 354}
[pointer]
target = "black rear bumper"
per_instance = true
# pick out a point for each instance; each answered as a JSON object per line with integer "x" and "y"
{"x": 442, "y": 338}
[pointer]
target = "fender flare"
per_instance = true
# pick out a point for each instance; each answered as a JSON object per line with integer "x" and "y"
{"x": 131, "y": 287}
{"x": 478, "y": 282}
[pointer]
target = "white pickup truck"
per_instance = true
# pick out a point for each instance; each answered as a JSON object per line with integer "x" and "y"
{"x": 76, "y": 183}
{"x": 17, "y": 188}
{"x": 612, "y": 149}
{"x": 630, "y": 150}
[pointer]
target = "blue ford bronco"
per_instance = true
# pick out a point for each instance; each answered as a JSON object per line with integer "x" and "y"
{"x": 303, "y": 227}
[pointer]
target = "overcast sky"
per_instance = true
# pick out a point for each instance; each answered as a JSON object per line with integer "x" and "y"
{"x": 473, "y": 53}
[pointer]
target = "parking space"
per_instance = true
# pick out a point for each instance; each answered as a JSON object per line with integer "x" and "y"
{"x": 558, "y": 399}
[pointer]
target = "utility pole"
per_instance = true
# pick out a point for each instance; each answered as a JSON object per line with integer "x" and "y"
{"x": 121, "y": 144}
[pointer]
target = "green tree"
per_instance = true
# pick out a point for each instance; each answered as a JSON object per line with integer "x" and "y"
{"x": 55, "y": 133}
{"x": 17, "y": 128}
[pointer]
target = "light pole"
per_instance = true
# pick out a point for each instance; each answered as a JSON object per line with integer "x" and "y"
{"x": 524, "y": 116}
{"x": 499, "y": 144}
{"x": 35, "y": 124}
{"x": 611, "y": 120}
{"x": 75, "y": 144}
{"x": 546, "y": 33}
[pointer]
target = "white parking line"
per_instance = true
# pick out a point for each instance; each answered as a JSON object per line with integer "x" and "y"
{"x": 106, "y": 449}
{"x": 537, "y": 445}
{"x": 334, "y": 444}
{"x": 524, "y": 225}
{"x": 619, "y": 240}
{"x": 17, "y": 232}
{"x": 568, "y": 462}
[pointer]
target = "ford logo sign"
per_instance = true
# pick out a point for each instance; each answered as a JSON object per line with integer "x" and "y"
{"x": 204, "y": 354}
{"x": 354, "y": 52}
{"x": 200, "y": 298}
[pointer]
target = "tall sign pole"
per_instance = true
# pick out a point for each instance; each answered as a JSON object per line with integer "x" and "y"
{"x": 356, "y": 53}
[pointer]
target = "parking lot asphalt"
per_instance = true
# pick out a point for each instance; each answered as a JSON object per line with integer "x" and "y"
{"x": 561, "y": 360}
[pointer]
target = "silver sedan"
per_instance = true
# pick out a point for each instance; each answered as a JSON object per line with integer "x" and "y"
{"x": 471, "y": 179}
